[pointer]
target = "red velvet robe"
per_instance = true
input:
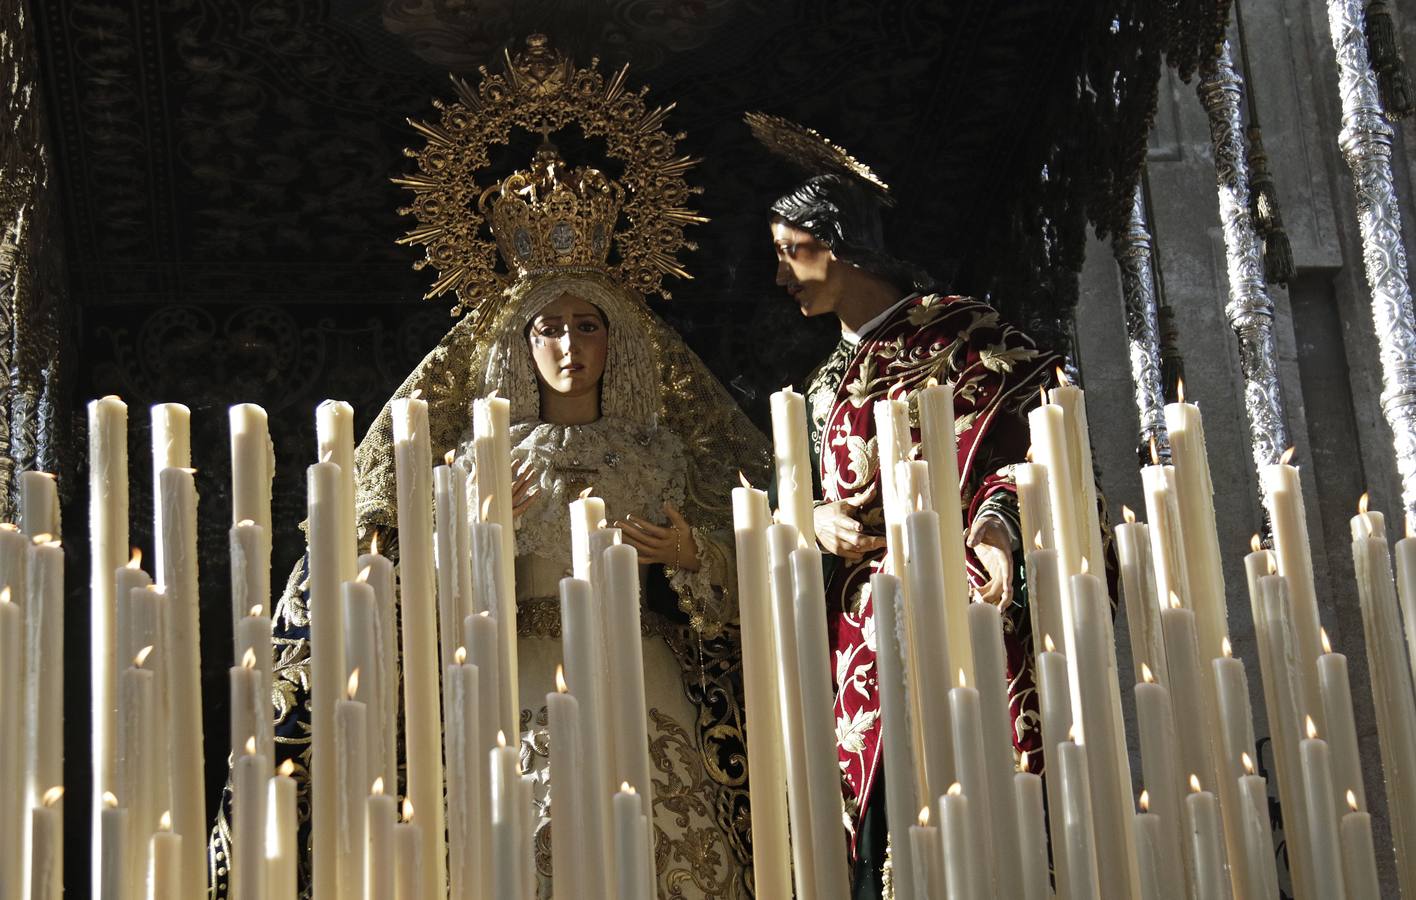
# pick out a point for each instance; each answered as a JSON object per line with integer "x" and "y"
{"x": 996, "y": 371}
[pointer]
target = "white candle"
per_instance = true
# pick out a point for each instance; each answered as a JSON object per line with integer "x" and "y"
{"x": 491, "y": 428}
{"x": 1336, "y": 694}
{"x": 408, "y": 856}
{"x": 1166, "y": 534}
{"x": 526, "y": 846}
{"x": 383, "y": 706}
{"x": 280, "y": 834}
{"x": 250, "y": 571}
{"x": 587, "y": 675}
{"x": 892, "y": 449}
{"x": 184, "y": 669}
{"x": 1203, "y": 830}
{"x": 253, "y": 633}
{"x": 1188, "y": 693}
{"x": 166, "y": 873}
{"x": 1236, "y": 734}
{"x": 1079, "y": 839}
{"x": 327, "y": 670}
{"x": 361, "y": 626}
{"x": 413, "y": 464}
{"x": 506, "y": 840}
{"x": 819, "y": 727}
{"x": 567, "y": 811}
{"x": 1323, "y": 841}
{"x": 39, "y": 504}
{"x": 140, "y": 767}
{"x": 113, "y": 874}
{"x": 379, "y": 863}
{"x": 1072, "y": 401}
{"x": 47, "y": 847}
{"x": 986, "y": 634}
{"x": 587, "y": 515}
{"x": 466, "y": 811}
{"x": 630, "y": 859}
{"x": 252, "y": 465}
{"x": 1044, "y": 597}
{"x": 487, "y": 575}
{"x": 962, "y": 880}
{"x": 925, "y": 859}
{"x": 171, "y": 449}
{"x": 781, "y": 541}
{"x": 1032, "y": 834}
{"x": 966, "y": 723}
{"x": 771, "y": 869}
{"x": 1155, "y": 722}
{"x": 44, "y": 675}
{"x": 12, "y": 700}
{"x": 793, "y": 464}
{"x": 1260, "y": 870}
{"x": 480, "y": 638}
{"x": 1406, "y": 588}
{"x": 446, "y": 488}
{"x": 248, "y": 810}
{"x": 1103, "y": 734}
{"x": 1283, "y": 495}
{"x": 625, "y": 655}
{"x": 1392, "y": 690}
{"x": 334, "y": 435}
{"x": 1359, "y": 865}
{"x": 901, "y": 784}
{"x": 1056, "y": 707}
{"x": 929, "y": 651}
{"x": 1034, "y": 506}
{"x": 351, "y": 745}
{"x": 1149, "y": 842}
{"x": 247, "y": 704}
{"x": 941, "y": 449}
{"x": 108, "y": 550}
{"x": 1138, "y": 589}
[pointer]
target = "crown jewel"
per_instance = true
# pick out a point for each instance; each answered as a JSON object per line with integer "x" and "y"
{"x": 552, "y": 216}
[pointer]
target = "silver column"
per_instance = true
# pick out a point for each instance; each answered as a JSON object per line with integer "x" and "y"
{"x": 1249, "y": 310}
{"x": 1366, "y": 142}
{"x": 1135, "y": 257}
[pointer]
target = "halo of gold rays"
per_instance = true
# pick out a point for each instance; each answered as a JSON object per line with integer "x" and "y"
{"x": 541, "y": 90}
{"x": 811, "y": 151}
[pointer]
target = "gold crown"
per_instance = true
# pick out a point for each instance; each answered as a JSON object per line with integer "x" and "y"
{"x": 552, "y": 216}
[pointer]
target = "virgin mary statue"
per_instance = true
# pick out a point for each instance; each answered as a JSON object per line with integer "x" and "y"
{"x": 603, "y": 396}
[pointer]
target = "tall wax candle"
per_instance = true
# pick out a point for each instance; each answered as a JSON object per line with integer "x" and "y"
{"x": 466, "y": 811}
{"x": 480, "y": 636}
{"x": 818, "y": 725}
{"x": 334, "y": 435}
{"x": 1056, "y": 708}
{"x": 986, "y": 633}
{"x": 351, "y": 746}
{"x": 1032, "y": 834}
{"x": 765, "y": 751}
{"x": 506, "y": 842}
{"x": 408, "y": 855}
{"x": 926, "y": 861}
{"x": 959, "y": 834}
{"x": 252, "y": 465}
{"x": 568, "y": 826}
{"x": 1233, "y": 739}
{"x": 491, "y": 429}
{"x": 1149, "y": 845}
{"x": 1155, "y": 722}
{"x": 1079, "y": 836}
{"x": 1072, "y": 401}
{"x": 184, "y": 669}
{"x": 108, "y": 550}
{"x": 781, "y": 541}
{"x": 1187, "y": 692}
{"x": 383, "y": 706}
{"x": 47, "y": 847}
{"x": 361, "y": 652}
{"x": 379, "y": 861}
{"x": 1261, "y": 873}
{"x": 1336, "y": 692}
{"x": 892, "y": 448}
{"x": 446, "y": 563}
{"x": 630, "y": 861}
{"x": 327, "y": 671}
{"x": 139, "y": 766}
{"x": 165, "y": 876}
{"x": 280, "y": 833}
{"x": 413, "y": 468}
{"x": 1203, "y": 828}
{"x": 1283, "y": 496}
{"x": 941, "y": 449}
{"x": 625, "y": 655}
{"x": 1359, "y": 866}
{"x": 113, "y": 869}
{"x": 39, "y": 504}
{"x": 1323, "y": 841}
{"x": 967, "y": 726}
{"x": 1044, "y": 597}
{"x": 1138, "y": 590}
{"x": 171, "y": 449}
{"x": 588, "y": 678}
{"x": 1166, "y": 534}
{"x": 247, "y": 704}
{"x": 12, "y": 795}
{"x": 250, "y": 571}
{"x": 929, "y": 651}
{"x": 793, "y": 464}
{"x": 44, "y": 676}
{"x": 901, "y": 784}
{"x": 1034, "y": 505}
{"x": 250, "y": 774}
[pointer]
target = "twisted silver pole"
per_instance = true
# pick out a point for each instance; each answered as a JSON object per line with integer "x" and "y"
{"x": 1366, "y": 143}
{"x": 1135, "y": 257}
{"x": 1249, "y": 310}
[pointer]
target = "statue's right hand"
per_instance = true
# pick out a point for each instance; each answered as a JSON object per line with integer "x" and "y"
{"x": 840, "y": 533}
{"x": 524, "y": 489}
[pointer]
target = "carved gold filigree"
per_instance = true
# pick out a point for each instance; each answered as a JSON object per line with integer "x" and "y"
{"x": 542, "y": 90}
{"x": 811, "y": 151}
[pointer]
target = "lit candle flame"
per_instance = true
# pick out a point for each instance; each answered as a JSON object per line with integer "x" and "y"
{"x": 287, "y": 768}
{"x": 53, "y": 796}
{"x": 257, "y": 611}
{"x": 486, "y": 508}
{"x": 1042, "y": 396}
{"x": 164, "y": 823}
{"x": 1145, "y": 801}
{"x": 1072, "y": 732}
{"x": 142, "y": 656}
{"x": 924, "y": 817}
{"x": 1128, "y": 514}
{"x": 248, "y": 659}
{"x": 9, "y": 526}
{"x": 1146, "y": 674}
{"x": 110, "y": 801}
{"x": 1323, "y": 637}
{"x": 377, "y": 788}
{"x": 245, "y": 523}
{"x": 963, "y": 679}
{"x": 460, "y": 655}
{"x": 1194, "y": 783}
{"x": 1351, "y": 800}
{"x": 1174, "y": 600}
{"x": 1287, "y": 456}
{"x": 1023, "y": 762}
{"x": 587, "y": 492}
{"x": 250, "y": 746}
{"x": 1226, "y": 648}
{"x": 407, "y": 810}
{"x": 39, "y": 539}
{"x": 1247, "y": 762}
{"x": 560, "y": 680}
{"x": 1037, "y": 541}
{"x": 932, "y": 382}
{"x": 627, "y": 788}
{"x": 1180, "y": 389}
{"x": 1029, "y": 455}
{"x": 1272, "y": 564}
{"x": 1086, "y": 566}
{"x": 743, "y": 478}
{"x": 135, "y": 560}
{"x": 1062, "y": 378}
{"x": 1155, "y": 454}
{"x": 449, "y": 456}
{"x": 602, "y": 524}
{"x": 364, "y": 573}
{"x": 1362, "y": 503}
{"x": 501, "y": 738}
{"x": 1309, "y": 727}
{"x": 1256, "y": 544}
{"x": 415, "y": 394}
{"x": 955, "y": 790}
{"x": 187, "y": 470}
{"x": 5, "y": 594}
{"x": 353, "y": 686}
{"x": 374, "y": 544}
{"x": 327, "y": 456}
{"x": 1048, "y": 644}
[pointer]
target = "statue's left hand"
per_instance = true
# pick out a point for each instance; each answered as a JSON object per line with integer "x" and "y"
{"x": 991, "y": 543}
{"x": 671, "y": 545}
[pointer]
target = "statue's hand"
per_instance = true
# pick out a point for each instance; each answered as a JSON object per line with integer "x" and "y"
{"x": 840, "y": 533}
{"x": 671, "y": 545}
{"x": 523, "y": 489}
{"x": 993, "y": 546}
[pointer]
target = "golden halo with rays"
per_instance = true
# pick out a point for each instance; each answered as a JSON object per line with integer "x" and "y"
{"x": 812, "y": 152}
{"x": 541, "y": 90}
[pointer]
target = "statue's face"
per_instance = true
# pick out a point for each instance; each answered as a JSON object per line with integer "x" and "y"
{"x": 569, "y": 342}
{"x": 806, "y": 268}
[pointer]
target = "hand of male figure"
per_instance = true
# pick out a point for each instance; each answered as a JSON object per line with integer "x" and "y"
{"x": 991, "y": 543}
{"x": 839, "y": 531}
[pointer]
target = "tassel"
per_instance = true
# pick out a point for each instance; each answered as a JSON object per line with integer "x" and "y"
{"x": 1384, "y": 46}
{"x": 1268, "y": 220}
{"x": 1278, "y": 257}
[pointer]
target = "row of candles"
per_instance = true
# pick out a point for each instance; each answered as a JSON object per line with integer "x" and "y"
{"x": 472, "y": 837}
{"x": 1202, "y": 828}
